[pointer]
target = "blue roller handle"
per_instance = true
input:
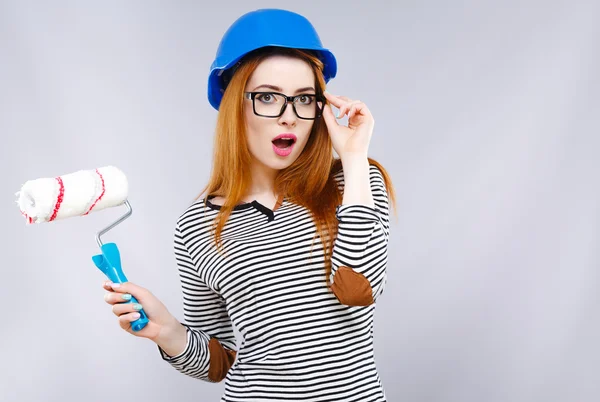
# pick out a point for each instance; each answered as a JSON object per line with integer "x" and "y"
{"x": 109, "y": 262}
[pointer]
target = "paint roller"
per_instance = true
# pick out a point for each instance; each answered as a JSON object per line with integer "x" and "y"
{"x": 78, "y": 194}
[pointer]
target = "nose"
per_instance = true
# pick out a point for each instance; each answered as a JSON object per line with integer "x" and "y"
{"x": 289, "y": 116}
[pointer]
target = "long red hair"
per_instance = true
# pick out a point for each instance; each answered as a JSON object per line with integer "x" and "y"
{"x": 308, "y": 181}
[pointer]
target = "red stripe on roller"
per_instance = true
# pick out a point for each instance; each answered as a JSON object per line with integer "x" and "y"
{"x": 101, "y": 195}
{"x": 59, "y": 199}
{"x": 27, "y": 217}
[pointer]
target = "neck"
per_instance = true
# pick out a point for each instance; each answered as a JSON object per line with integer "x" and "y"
{"x": 263, "y": 180}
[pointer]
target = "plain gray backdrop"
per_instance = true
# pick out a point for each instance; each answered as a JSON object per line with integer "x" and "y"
{"x": 487, "y": 118}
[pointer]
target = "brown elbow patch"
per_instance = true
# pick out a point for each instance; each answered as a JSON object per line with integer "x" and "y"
{"x": 221, "y": 360}
{"x": 352, "y": 288}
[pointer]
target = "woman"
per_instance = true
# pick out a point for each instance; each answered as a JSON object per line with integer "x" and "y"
{"x": 256, "y": 252}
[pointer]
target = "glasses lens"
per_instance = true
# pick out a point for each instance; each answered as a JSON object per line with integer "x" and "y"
{"x": 270, "y": 104}
{"x": 307, "y": 106}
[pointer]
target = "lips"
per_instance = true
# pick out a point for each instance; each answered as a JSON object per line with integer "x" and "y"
{"x": 284, "y": 140}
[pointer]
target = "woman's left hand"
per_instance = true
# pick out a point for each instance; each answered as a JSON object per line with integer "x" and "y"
{"x": 352, "y": 139}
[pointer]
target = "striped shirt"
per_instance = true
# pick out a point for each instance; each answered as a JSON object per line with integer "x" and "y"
{"x": 300, "y": 341}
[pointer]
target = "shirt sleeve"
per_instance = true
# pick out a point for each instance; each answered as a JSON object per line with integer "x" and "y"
{"x": 360, "y": 251}
{"x": 210, "y": 349}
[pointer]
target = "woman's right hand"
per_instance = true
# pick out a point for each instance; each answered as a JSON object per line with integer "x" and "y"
{"x": 160, "y": 320}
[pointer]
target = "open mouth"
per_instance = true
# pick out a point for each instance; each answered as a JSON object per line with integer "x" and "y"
{"x": 283, "y": 143}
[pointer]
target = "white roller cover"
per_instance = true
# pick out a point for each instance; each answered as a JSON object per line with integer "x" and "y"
{"x": 74, "y": 194}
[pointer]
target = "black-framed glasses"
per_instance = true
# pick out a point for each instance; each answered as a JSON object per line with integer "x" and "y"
{"x": 272, "y": 104}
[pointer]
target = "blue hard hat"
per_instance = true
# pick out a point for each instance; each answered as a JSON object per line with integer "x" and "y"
{"x": 261, "y": 28}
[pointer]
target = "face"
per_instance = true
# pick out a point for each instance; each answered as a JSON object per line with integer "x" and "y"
{"x": 289, "y": 76}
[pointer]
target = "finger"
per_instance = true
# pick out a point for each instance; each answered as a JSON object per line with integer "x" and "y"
{"x": 356, "y": 108}
{"x": 131, "y": 288}
{"x": 344, "y": 101}
{"x": 106, "y": 286}
{"x": 351, "y": 111}
{"x": 335, "y": 100}
{"x": 346, "y": 108}
{"x": 125, "y": 320}
{"x": 114, "y": 297}
{"x": 347, "y": 99}
{"x": 329, "y": 118}
{"x": 125, "y": 308}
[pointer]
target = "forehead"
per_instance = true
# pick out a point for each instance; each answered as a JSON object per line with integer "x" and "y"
{"x": 288, "y": 73}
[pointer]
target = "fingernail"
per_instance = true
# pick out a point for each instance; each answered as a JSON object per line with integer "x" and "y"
{"x": 135, "y": 316}
{"x": 126, "y": 296}
{"x": 115, "y": 285}
{"x": 137, "y": 306}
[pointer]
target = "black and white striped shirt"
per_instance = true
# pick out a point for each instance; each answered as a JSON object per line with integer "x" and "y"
{"x": 299, "y": 340}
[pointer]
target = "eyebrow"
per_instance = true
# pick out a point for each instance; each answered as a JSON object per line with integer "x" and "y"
{"x": 276, "y": 88}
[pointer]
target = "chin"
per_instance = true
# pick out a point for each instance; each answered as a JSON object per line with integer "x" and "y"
{"x": 281, "y": 163}
{"x": 276, "y": 162}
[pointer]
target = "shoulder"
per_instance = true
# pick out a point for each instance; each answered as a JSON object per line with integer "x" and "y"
{"x": 196, "y": 216}
{"x": 218, "y": 200}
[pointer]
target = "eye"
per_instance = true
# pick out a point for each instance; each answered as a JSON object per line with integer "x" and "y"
{"x": 305, "y": 99}
{"x": 266, "y": 98}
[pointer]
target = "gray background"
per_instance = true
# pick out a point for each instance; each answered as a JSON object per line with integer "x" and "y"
{"x": 486, "y": 118}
